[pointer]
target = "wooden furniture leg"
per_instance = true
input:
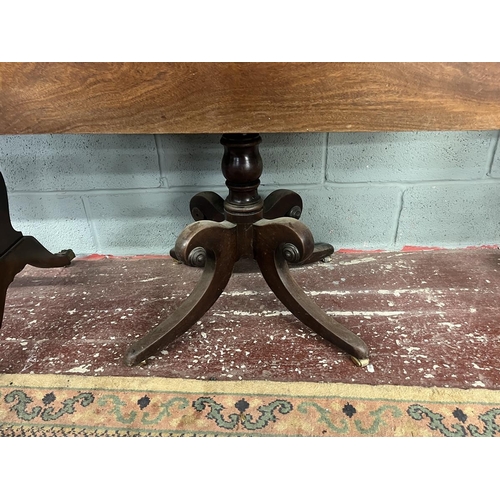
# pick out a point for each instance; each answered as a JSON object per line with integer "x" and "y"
{"x": 205, "y": 244}
{"x": 245, "y": 226}
{"x": 17, "y": 251}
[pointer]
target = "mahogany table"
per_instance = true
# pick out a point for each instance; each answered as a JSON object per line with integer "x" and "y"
{"x": 239, "y": 101}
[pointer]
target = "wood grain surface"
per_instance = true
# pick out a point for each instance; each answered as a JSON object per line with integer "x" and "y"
{"x": 150, "y": 98}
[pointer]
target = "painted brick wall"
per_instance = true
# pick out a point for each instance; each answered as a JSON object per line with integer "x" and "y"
{"x": 129, "y": 194}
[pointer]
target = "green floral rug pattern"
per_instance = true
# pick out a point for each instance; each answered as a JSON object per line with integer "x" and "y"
{"x": 59, "y": 405}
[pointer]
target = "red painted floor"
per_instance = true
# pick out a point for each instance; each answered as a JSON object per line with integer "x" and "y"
{"x": 431, "y": 318}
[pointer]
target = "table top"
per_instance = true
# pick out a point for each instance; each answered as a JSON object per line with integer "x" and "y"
{"x": 153, "y": 98}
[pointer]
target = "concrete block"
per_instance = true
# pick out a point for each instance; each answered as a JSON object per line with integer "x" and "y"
{"x": 194, "y": 160}
{"x": 139, "y": 222}
{"x": 352, "y": 217}
{"x": 291, "y": 159}
{"x": 57, "y": 221}
{"x": 191, "y": 159}
{"x": 450, "y": 215}
{"x": 408, "y": 156}
{"x": 79, "y": 162}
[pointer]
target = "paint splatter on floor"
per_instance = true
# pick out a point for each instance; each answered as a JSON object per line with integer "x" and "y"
{"x": 430, "y": 318}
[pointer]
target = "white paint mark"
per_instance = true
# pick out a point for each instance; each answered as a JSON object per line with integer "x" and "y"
{"x": 477, "y": 367}
{"x": 411, "y": 349}
{"x": 328, "y": 292}
{"x": 450, "y": 325}
{"x": 356, "y": 261}
{"x": 478, "y": 383}
{"x": 80, "y": 369}
{"x": 265, "y": 314}
{"x": 366, "y": 313}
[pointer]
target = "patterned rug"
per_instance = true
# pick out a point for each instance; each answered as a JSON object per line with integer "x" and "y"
{"x": 61, "y": 405}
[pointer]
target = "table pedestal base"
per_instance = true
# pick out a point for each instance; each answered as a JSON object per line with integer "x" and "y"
{"x": 245, "y": 226}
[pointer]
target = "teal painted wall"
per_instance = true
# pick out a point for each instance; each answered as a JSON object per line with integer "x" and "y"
{"x": 129, "y": 194}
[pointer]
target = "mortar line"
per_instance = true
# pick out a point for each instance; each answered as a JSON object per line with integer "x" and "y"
{"x": 406, "y": 183}
{"x": 93, "y": 230}
{"x": 222, "y": 188}
{"x": 491, "y": 154}
{"x": 398, "y": 217}
{"x": 161, "y": 162}
{"x": 196, "y": 189}
{"x": 324, "y": 158}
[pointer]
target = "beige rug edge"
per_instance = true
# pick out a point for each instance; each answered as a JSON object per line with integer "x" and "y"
{"x": 261, "y": 387}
